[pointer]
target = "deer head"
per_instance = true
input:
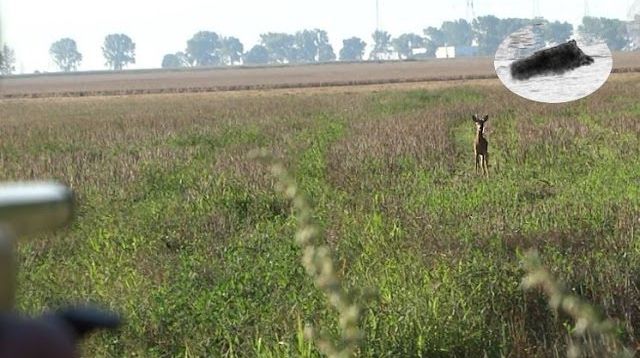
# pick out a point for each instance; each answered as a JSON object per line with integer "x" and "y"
{"x": 480, "y": 122}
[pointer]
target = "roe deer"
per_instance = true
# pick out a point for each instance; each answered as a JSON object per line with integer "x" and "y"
{"x": 481, "y": 146}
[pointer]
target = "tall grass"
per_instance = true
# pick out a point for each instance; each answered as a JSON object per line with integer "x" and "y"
{"x": 319, "y": 265}
{"x": 186, "y": 237}
{"x": 592, "y": 334}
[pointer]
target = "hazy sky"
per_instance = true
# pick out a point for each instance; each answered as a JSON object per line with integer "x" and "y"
{"x": 159, "y": 27}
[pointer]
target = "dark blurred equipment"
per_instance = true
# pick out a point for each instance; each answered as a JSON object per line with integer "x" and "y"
{"x": 28, "y": 208}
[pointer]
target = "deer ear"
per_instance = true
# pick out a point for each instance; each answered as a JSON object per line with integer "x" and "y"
{"x": 475, "y": 117}
{"x": 486, "y": 118}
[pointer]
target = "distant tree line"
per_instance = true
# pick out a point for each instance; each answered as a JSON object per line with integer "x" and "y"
{"x": 308, "y": 46}
{"x": 207, "y": 48}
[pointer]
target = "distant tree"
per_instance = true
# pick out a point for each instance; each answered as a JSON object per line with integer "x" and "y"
{"x": 382, "y": 45}
{"x": 510, "y": 25}
{"x": 231, "y": 50}
{"x": 175, "y": 60}
{"x": 65, "y": 54}
{"x": 457, "y": 33}
{"x": 184, "y": 58}
{"x": 325, "y": 50}
{"x": 258, "y": 55}
{"x": 435, "y": 36}
{"x": 490, "y": 31}
{"x": 404, "y": 45}
{"x": 119, "y": 51}
{"x": 313, "y": 46}
{"x": 281, "y": 47}
{"x": 613, "y": 31}
{"x": 352, "y": 49}
{"x": 170, "y": 60}
{"x": 433, "y": 39}
{"x": 557, "y": 32}
{"x": 203, "y": 49}
{"x": 306, "y": 46}
{"x": 7, "y": 60}
{"x": 486, "y": 29}
{"x": 326, "y": 53}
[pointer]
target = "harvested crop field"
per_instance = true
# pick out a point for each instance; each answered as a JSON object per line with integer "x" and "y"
{"x": 182, "y": 232}
{"x": 245, "y": 78}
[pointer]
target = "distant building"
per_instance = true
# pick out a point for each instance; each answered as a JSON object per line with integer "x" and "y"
{"x": 456, "y": 51}
{"x": 446, "y": 52}
{"x": 418, "y": 52}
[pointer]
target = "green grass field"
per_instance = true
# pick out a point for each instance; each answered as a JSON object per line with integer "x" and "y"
{"x": 183, "y": 234}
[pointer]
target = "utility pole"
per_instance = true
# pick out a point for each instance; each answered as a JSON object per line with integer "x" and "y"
{"x": 377, "y": 15}
{"x": 471, "y": 12}
{"x": 586, "y": 8}
{"x": 536, "y": 9}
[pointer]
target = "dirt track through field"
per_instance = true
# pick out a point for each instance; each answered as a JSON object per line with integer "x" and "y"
{"x": 257, "y": 78}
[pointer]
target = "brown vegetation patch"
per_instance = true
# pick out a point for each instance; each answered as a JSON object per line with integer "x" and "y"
{"x": 554, "y": 131}
{"x": 387, "y": 144}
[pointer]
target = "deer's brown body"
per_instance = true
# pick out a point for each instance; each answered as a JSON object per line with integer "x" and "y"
{"x": 480, "y": 145}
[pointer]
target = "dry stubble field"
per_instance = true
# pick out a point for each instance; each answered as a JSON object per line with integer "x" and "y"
{"x": 186, "y": 236}
{"x": 245, "y": 78}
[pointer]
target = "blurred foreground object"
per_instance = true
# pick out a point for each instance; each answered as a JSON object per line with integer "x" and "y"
{"x": 29, "y": 208}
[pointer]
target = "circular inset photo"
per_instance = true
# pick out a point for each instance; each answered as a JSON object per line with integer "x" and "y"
{"x": 552, "y": 72}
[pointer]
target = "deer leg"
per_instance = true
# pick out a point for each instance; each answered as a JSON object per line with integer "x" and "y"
{"x": 477, "y": 162}
{"x": 485, "y": 163}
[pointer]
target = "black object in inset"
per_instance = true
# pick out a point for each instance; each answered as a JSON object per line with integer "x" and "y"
{"x": 555, "y": 60}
